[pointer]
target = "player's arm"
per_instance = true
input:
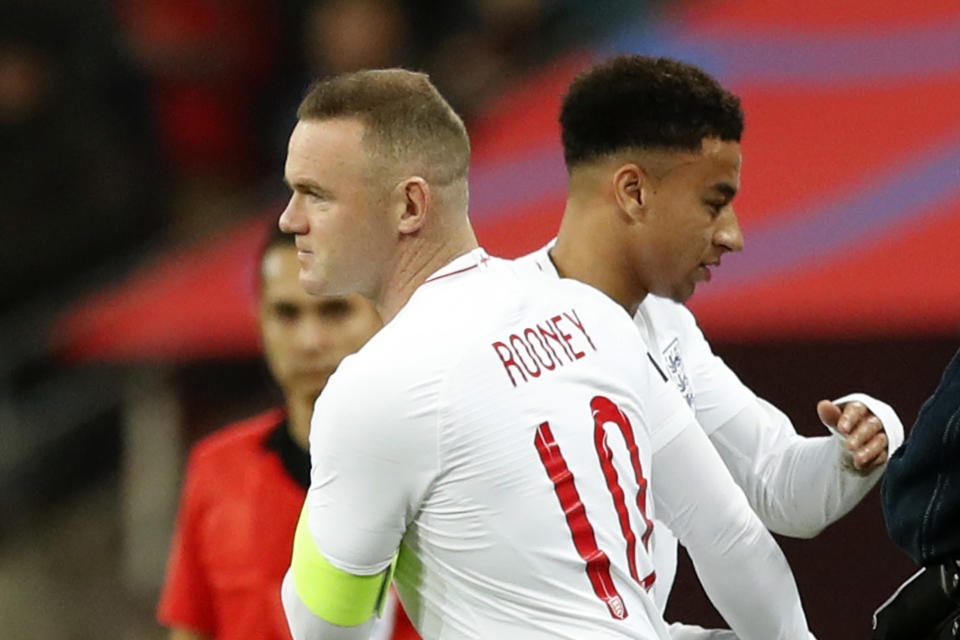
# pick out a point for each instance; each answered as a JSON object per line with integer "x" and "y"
{"x": 740, "y": 566}
{"x": 323, "y": 602}
{"x": 693, "y": 632}
{"x": 799, "y": 485}
{"x": 372, "y": 464}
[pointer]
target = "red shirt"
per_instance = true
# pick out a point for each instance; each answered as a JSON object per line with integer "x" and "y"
{"x": 234, "y": 536}
{"x": 234, "y": 533}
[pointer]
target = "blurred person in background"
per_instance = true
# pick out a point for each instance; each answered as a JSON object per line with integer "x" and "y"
{"x": 322, "y": 38}
{"x": 206, "y": 63}
{"x": 246, "y": 483}
{"x": 653, "y": 155}
{"x": 483, "y": 48}
{"x": 473, "y": 50}
{"x": 79, "y": 181}
{"x": 492, "y": 45}
{"x": 347, "y": 35}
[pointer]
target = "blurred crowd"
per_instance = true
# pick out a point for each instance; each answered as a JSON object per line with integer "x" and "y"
{"x": 127, "y": 121}
{"x": 131, "y": 126}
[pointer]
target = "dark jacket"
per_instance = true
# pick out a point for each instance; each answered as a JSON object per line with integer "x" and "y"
{"x": 921, "y": 487}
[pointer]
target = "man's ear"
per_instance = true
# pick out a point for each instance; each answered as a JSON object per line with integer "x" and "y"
{"x": 413, "y": 201}
{"x": 630, "y": 189}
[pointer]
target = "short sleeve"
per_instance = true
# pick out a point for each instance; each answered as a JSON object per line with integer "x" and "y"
{"x": 187, "y": 600}
{"x": 373, "y": 448}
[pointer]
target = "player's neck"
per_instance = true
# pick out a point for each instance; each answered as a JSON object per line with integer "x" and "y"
{"x": 299, "y": 412}
{"x": 590, "y": 250}
{"x": 416, "y": 262}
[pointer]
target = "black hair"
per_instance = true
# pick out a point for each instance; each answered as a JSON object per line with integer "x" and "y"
{"x": 635, "y": 101}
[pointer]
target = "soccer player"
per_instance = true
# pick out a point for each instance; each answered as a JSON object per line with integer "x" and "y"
{"x": 653, "y": 155}
{"x": 245, "y": 484}
{"x": 499, "y": 432}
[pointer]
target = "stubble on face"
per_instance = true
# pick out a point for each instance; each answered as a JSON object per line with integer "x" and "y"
{"x": 340, "y": 234}
{"x": 305, "y": 337}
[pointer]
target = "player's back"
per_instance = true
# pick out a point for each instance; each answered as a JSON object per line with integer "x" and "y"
{"x": 513, "y": 400}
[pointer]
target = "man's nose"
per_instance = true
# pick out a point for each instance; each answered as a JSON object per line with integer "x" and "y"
{"x": 728, "y": 232}
{"x": 292, "y": 220}
{"x": 313, "y": 335}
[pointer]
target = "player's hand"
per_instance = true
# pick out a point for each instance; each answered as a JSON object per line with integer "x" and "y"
{"x": 865, "y": 438}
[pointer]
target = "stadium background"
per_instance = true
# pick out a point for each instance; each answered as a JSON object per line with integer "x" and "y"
{"x": 142, "y": 146}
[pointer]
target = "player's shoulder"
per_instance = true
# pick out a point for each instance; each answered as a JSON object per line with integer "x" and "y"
{"x": 572, "y": 310}
{"x": 470, "y": 303}
{"x": 536, "y": 296}
{"x": 450, "y": 307}
{"x": 403, "y": 361}
{"x": 538, "y": 262}
{"x": 236, "y": 439}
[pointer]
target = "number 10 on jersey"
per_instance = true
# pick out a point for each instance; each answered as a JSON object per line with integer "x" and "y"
{"x": 597, "y": 562}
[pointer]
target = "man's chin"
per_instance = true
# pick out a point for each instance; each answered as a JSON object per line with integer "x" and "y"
{"x": 685, "y": 295}
{"x": 312, "y": 285}
{"x": 312, "y": 389}
{"x": 325, "y": 287}
{"x": 679, "y": 294}
{"x": 320, "y": 286}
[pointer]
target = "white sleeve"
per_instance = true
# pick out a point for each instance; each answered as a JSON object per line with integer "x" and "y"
{"x": 305, "y": 625}
{"x": 384, "y": 624}
{"x": 740, "y": 566}
{"x": 797, "y": 485}
{"x": 373, "y": 459}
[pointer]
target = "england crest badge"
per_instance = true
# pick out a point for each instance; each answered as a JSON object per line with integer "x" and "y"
{"x": 674, "y": 361}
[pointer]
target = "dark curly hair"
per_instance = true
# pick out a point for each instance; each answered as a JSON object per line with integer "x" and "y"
{"x": 635, "y": 101}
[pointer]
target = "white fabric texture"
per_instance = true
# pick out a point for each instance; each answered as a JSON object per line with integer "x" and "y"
{"x": 304, "y": 625}
{"x": 742, "y": 569}
{"x": 693, "y": 632}
{"x": 431, "y": 439}
{"x": 697, "y": 498}
{"x": 796, "y": 485}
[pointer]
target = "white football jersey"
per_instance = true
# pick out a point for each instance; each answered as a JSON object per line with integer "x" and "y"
{"x": 672, "y": 336}
{"x": 712, "y": 390}
{"x": 499, "y": 432}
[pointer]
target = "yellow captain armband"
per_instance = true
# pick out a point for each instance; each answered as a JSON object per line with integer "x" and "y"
{"x": 337, "y": 596}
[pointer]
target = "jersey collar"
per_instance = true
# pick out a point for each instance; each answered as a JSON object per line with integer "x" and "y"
{"x": 541, "y": 258}
{"x": 476, "y": 258}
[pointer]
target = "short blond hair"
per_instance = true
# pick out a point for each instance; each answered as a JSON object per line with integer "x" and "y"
{"x": 407, "y": 123}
